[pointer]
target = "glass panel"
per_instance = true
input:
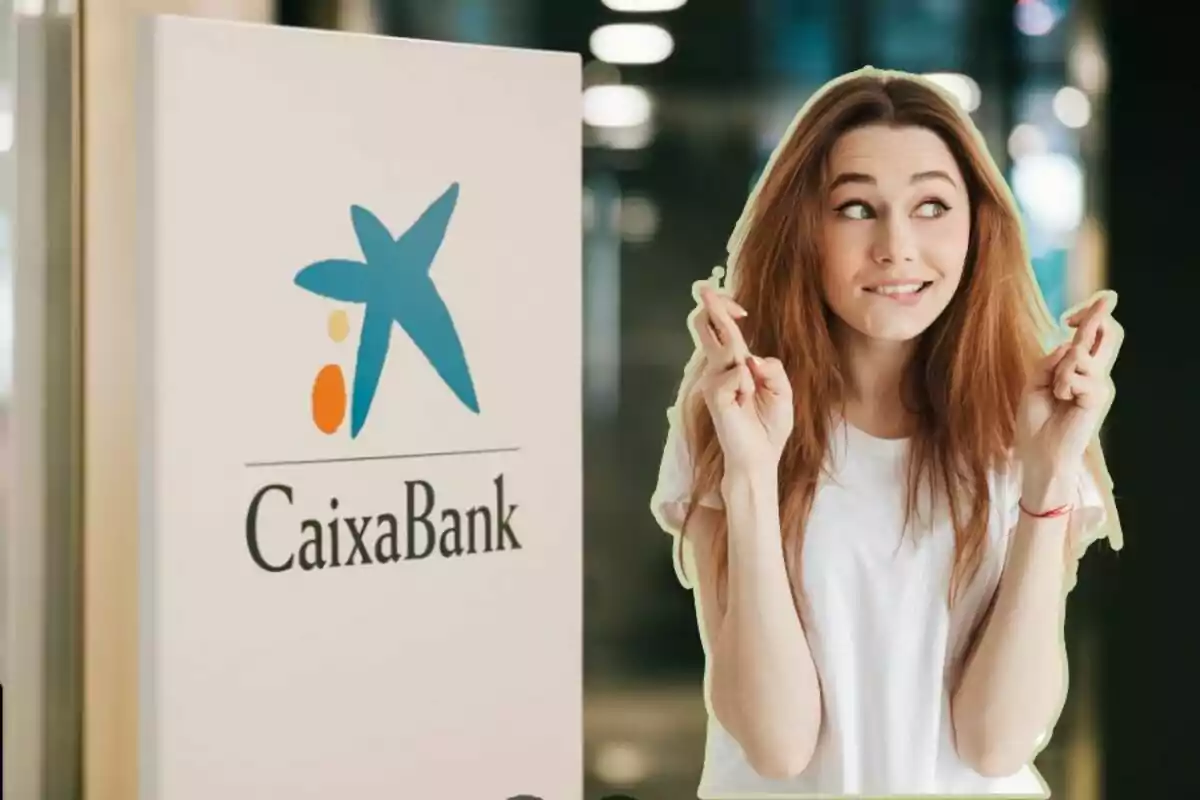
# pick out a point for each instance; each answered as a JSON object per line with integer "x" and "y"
{"x": 39, "y": 434}
{"x": 7, "y": 134}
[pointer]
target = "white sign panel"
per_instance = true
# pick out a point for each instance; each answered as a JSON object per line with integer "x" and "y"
{"x": 362, "y": 446}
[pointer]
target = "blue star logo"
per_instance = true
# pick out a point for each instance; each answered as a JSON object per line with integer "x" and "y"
{"x": 394, "y": 285}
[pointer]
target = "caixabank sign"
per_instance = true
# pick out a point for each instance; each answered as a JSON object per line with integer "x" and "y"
{"x": 360, "y": 394}
{"x": 393, "y": 288}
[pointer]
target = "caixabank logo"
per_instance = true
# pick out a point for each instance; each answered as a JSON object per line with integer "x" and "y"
{"x": 393, "y": 285}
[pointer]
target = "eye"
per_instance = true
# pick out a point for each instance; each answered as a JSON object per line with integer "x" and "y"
{"x": 932, "y": 209}
{"x": 855, "y": 209}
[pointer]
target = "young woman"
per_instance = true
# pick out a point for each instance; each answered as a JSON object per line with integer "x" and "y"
{"x": 882, "y": 479}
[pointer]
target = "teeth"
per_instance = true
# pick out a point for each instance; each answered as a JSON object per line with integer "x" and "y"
{"x": 907, "y": 288}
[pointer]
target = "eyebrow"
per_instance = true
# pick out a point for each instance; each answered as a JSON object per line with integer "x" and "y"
{"x": 861, "y": 177}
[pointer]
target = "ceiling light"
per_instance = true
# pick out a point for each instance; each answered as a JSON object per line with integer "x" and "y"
{"x": 644, "y": 6}
{"x": 631, "y": 43}
{"x": 616, "y": 106}
{"x": 964, "y": 88}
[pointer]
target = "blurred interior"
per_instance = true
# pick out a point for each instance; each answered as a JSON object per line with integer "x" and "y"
{"x": 683, "y": 101}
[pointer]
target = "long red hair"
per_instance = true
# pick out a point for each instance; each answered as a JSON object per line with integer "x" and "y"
{"x": 970, "y": 367}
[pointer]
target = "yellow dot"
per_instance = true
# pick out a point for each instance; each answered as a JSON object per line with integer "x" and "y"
{"x": 339, "y": 325}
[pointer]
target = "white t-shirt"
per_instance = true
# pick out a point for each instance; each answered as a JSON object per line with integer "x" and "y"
{"x": 884, "y": 642}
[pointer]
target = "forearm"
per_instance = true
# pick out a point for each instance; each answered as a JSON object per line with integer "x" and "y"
{"x": 763, "y": 680}
{"x": 1011, "y": 689}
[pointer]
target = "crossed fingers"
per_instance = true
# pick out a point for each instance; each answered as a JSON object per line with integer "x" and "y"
{"x": 716, "y": 331}
{"x": 1082, "y": 372}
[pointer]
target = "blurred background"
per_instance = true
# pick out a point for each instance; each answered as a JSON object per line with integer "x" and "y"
{"x": 683, "y": 101}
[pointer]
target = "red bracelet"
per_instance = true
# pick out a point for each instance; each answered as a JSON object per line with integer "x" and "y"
{"x": 1054, "y": 512}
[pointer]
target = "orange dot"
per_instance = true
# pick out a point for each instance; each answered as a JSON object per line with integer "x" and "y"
{"x": 329, "y": 398}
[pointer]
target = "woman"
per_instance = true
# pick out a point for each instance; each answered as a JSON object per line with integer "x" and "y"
{"x": 878, "y": 471}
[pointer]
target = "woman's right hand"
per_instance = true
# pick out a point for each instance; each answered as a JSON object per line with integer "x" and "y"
{"x": 749, "y": 398}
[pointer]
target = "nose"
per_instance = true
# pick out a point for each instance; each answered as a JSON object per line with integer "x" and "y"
{"x": 894, "y": 241}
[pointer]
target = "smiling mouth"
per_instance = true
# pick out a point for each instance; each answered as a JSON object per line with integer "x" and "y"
{"x": 900, "y": 289}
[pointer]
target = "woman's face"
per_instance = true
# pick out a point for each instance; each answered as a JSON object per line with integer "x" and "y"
{"x": 895, "y": 231}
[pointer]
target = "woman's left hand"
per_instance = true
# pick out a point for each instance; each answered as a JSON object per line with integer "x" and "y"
{"x": 1069, "y": 395}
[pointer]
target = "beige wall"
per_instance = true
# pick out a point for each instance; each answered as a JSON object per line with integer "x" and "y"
{"x": 107, "y": 31}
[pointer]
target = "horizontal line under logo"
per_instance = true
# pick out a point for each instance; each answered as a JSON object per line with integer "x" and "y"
{"x": 392, "y": 457}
